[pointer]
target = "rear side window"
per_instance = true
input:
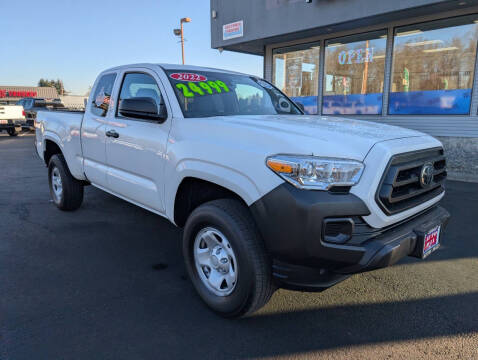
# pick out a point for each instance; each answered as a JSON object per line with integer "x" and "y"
{"x": 139, "y": 85}
{"x": 28, "y": 104}
{"x": 102, "y": 95}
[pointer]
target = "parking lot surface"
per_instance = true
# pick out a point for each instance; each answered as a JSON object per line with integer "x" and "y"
{"x": 108, "y": 282}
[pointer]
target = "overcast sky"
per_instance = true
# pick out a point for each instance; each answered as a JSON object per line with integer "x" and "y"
{"x": 75, "y": 40}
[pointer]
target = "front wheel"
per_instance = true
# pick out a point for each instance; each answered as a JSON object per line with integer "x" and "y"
{"x": 65, "y": 190}
{"x": 226, "y": 258}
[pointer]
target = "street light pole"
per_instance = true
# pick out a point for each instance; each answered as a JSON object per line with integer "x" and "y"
{"x": 182, "y": 40}
{"x": 180, "y": 32}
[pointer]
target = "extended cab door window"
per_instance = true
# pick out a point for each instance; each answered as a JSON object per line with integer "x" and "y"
{"x": 102, "y": 95}
{"x": 140, "y": 85}
{"x": 93, "y": 138}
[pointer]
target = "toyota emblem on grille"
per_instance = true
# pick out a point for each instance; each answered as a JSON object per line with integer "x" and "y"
{"x": 426, "y": 175}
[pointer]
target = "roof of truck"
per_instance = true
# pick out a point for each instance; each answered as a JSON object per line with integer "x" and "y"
{"x": 173, "y": 67}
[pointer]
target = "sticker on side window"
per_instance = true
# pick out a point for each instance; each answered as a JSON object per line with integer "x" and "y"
{"x": 102, "y": 100}
{"x": 188, "y": 77}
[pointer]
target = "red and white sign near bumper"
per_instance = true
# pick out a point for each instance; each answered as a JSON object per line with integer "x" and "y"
{"x": 233, "y": 30}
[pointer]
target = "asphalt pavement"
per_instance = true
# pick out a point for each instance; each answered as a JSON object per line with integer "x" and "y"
{"x": 108, "y": 282}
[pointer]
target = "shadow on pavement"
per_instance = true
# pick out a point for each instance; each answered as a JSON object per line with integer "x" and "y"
{"x": 171, "y": 326}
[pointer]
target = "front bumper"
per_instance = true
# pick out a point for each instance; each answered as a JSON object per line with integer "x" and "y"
{"x": 291, "y": 220}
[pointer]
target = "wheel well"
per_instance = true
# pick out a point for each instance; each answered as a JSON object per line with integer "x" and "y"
{"x": 51, "y": 149}
{"x": 193, "y": 192}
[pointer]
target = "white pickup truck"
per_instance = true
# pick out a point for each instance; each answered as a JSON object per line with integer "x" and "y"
{"x": 12, "y": 118}
{"x": 268, "y": 197}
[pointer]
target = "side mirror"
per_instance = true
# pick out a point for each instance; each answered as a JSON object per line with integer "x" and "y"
{"x": 142, "y": 108}
{"x": 300, "y": 106}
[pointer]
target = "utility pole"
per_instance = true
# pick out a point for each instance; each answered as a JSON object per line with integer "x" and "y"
{"x": 180, "y": 32}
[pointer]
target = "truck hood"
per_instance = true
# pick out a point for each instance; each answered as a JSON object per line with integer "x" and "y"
{"x": 319, "y": 135}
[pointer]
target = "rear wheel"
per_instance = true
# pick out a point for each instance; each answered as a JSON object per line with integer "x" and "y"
{"x": 226, "y": 259}
{"x": 66, "y": 192}
{"x": 14, "y": 131}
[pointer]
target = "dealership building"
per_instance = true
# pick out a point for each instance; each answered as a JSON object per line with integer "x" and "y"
{"x": 11, "y": 94}
{"x": 410, "y": 63}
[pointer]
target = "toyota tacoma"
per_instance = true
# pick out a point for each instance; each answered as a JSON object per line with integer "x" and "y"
{"x": 267, "y": 196}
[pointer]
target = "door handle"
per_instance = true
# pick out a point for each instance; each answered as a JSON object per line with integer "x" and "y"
{"x": 112, "y": 133}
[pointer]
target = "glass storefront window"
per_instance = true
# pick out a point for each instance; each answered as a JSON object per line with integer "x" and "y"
{"x": 296, "y": 73}
{"x": 433, "y": 65}
{"x": 354, "y": 74}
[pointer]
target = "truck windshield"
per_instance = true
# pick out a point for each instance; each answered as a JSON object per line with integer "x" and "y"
{"x": 207, "y": 93}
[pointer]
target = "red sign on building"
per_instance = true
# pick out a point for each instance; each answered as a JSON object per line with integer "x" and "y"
{"x": 13, "y": 93}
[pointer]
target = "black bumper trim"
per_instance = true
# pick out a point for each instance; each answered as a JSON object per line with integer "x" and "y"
{"x": 290, "y": 221}
{"x": 382, "y": 251}
{"x": 296, "y": 277}
{"x": 398, "y": 242}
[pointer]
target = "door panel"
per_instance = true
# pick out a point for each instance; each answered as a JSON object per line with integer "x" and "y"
{"x": 136, "y": 158}
{"x": 136, "y": 161}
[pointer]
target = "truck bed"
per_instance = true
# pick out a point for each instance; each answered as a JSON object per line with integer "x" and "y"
{"x": 11, "y": 112}
{"x": 63, "y": 128}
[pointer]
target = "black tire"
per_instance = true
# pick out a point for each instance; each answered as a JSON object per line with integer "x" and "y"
{"x": 12, "y": 131}
{"x": 254, "y": 286}
{"x": 71, "y": 195}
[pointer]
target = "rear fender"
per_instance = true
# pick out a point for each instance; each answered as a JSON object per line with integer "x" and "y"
{"x": 73, "y": 162}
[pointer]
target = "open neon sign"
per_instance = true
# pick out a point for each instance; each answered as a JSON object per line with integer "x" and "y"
{"x": 358, "y": 56}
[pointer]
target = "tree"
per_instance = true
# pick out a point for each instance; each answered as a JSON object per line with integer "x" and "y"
{"x": 57, "y": 84}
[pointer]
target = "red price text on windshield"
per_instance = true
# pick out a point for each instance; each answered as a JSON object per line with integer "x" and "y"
{"x": 188, "y": 77}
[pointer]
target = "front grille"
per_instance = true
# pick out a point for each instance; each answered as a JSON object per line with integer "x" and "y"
{"x": 401, "y": 189}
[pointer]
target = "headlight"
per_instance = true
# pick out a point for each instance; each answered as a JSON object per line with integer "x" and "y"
{"x": 310, "y": 172}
